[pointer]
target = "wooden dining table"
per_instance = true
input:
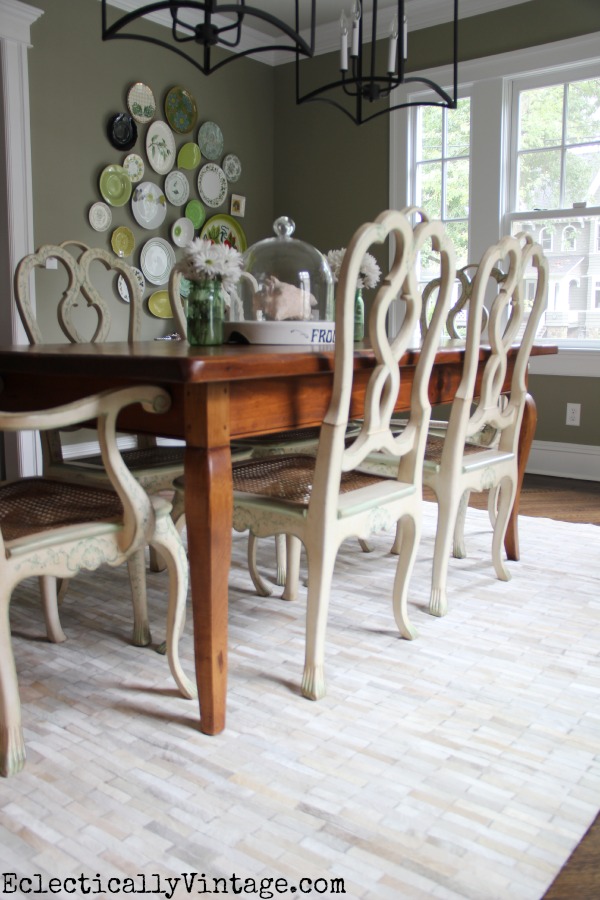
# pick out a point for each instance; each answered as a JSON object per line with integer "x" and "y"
{"x": 220, "y": 394}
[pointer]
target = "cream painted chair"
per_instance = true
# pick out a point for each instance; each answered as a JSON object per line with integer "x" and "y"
{"x": 84, "y": 313}
{"x": 478, "y": 450}
{"x": 54, "y": 529}
{"x": 319, "y": 501}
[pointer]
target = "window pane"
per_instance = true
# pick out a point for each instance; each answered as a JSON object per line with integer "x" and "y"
{"x": 429, "y": 188}
{"x": 582, "y": 176}
{"x": 430, "y": 133}
{"x": 459, "y": 129}
{"x": 583, "y": 115}
{"x": 541, "y": 117}
{"x": 457, "y": 189}
{"x": 459, "y": 234}
{"x": 539, "y": 180}
{"x": 572, "y": 312}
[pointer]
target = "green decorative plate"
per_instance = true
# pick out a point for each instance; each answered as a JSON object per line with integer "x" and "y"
{"x": 180, "y": 110}
{"x": 122, "y": 241}
{"x": 189, "y": 156}
{"x": 160, "y": 305}
{"x": 223, "y": 229}
{"x": 115, "y": 185}
{"x": 195, "y": 212}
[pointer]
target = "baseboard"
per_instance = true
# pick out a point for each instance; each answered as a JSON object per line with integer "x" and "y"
{"x": 564, "y": 460}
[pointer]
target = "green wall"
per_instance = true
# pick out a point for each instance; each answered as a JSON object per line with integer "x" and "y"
{"x": 78, "y": 82}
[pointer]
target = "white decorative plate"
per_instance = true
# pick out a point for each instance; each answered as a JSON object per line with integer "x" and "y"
{"x": 134, "y": 166}
{"x": 177, "y": 188}
{"x": 182, "y": 232}
{"x": 122, "y": 284}
{"x": 232, "y": 167}
{"x": 160, "y": 147}
{"x": 212, "y": 185}
{"x": 141, "y": 103}
{"x": 148, "y": 205}
{"x": 210, "y": 140}
{"x": 100, "y": 216}
{"x": 156, "y": 260}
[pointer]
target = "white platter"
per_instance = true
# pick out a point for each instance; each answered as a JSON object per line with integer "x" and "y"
{"x": 212, "y": 185}
{"x": 302, "y": 333}
{"x": 160, "y": 147}
{"x": 156, "y": 260}
{"x": 148, "y": 205}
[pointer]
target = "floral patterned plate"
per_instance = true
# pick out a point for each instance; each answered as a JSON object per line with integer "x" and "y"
{"x": 122, "y": 284}
{"x": 210, "y": 140}
{"x": 180, "y": 110}
{"x": 177, "y": 188}
{"x": 134, "y": 166}
{"x": 141, "y": 103}
{"x": 160, "y": 147}
{"x": 212, "y": 185}
{"x": 222, "y": 229}
{"x": 148, "y": 205}
{"x": 100, "y": 216}
{"x": 232, "y": 167}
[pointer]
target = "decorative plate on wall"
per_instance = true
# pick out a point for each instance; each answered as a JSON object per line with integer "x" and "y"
{"x": 134, "y": 166}
{"x": 122, "y": 241}
{"x": 122, "y": 131}
{"x": 222, "y": 229}
{"x": 195, "y": 212}
{"x": 156, "y": 260}
{"x": 210, "y": 140}
{"x": 115, "y": 185}
{"x": 100, "y": 216}
{"x": 122, "y": 284}
{"x": 160, "y": 147}
{"x": 159, "y": 305}
{"x": 232, "y": 167}
{"x": 177, "y": 188}
{"x": 189, "y": 156}
{"x": 149, "y": 205}
{"x": 141, "y": 103}
{"x": 212, "y": 185}
{"x": 182, "y": 231}
{"x": 180, "y": 110}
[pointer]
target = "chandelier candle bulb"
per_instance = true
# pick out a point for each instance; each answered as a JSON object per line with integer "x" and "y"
{"x": 356, "y": 14}
{"x": 344, "y": 46}
{"x": 393, "y": 46}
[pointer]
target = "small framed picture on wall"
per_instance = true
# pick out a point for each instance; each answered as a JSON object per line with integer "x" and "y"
{"x": 238, "y": 205}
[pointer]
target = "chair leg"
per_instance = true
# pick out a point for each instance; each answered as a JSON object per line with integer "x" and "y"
{"x": 459, "y": 549}
{"x": 320, "y": 574}
{"x": 365, "y": 546}
{"x": 506, "y": 493}
{"x": 137, "y": 578}
{"x": 293, "y": 548}
{"x": 167, "y": 542}
{"x": 280, "y": 556}
{"x": 49, "y": 593}
{"x": 448, "y": 503}
{"x": 262, "y": 587}
{"x": 156, "y": 563}
{"x": 409, "y": 531}
{"x": 12, "y": 744}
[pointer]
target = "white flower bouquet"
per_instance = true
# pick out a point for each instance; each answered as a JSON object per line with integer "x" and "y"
{"x": 204, "y": 260}
{"x": 369, "y": 274}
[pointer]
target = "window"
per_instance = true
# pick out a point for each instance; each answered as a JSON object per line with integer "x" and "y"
{"x": 532, "y": 163}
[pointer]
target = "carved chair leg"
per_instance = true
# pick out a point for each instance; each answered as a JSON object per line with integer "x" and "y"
{"x": 409, "y": 528}
{"x": 12, "y": 744}
{"x": 50, "y": 598}
{"x": 137, "y": 578}
{"x": 262, "y": 587}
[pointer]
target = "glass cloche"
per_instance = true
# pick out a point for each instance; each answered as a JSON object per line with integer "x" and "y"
{"x": 286, "y": 293}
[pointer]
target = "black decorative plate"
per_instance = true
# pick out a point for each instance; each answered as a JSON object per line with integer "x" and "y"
{"x": 122, "y": 131}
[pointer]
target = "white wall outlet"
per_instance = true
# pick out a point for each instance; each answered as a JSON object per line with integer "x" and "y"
{"x": 573, "y": 413}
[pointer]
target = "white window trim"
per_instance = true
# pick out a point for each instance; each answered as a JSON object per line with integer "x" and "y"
{"x": 483, "y": 79}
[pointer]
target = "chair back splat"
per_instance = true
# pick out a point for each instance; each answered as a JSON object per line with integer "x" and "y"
{"x": 321, "y": 500}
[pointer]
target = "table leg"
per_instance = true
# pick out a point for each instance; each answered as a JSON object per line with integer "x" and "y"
{"x": 209, "y": 512}
{"x": 511, "y": 539}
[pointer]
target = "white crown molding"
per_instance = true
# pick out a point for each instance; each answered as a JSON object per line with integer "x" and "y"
{"x": 17, "y": 19}
{"x": 420, "y": 14}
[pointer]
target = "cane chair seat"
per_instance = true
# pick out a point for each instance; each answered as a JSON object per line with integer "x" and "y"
{"x": 54, "y": 529}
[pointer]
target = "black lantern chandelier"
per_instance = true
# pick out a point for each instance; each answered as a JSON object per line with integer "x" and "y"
{"x": 197, "y": 27}
{"x": 203, "y": 25}
{"x": 364, "y": 80}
